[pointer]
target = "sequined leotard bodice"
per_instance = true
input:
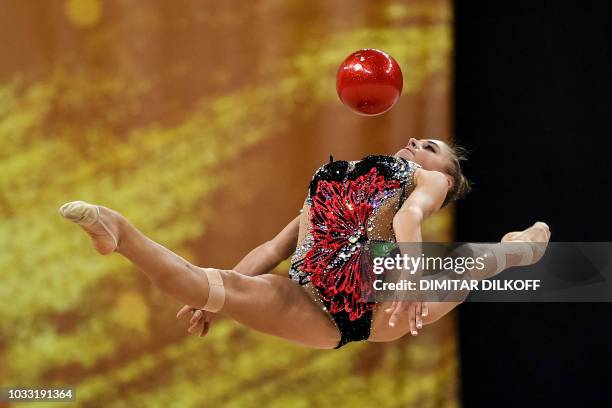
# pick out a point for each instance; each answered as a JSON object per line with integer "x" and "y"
{"x": 348, "y": 204}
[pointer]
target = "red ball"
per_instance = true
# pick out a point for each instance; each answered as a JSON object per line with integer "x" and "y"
{"x": 369, "y": 82}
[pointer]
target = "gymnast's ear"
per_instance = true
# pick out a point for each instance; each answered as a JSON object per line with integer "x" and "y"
{"x": 449, "y": 181}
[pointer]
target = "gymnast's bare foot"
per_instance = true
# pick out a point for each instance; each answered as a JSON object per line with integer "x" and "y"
{"x": 100, "y": 223}
{"x": 537, "y": 236}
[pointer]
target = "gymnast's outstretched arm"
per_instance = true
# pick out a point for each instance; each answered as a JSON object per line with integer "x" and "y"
{"x": 268, "y": 255}
{"x": 426, "y": 199}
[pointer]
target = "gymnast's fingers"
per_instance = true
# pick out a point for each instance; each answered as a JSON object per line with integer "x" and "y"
{"x": 183, "y": 311}
{"x": 197, "y": 315}
{"x": 417, "y": 314}
{"x": 411, "y": 318}
{"x": 399, "y": 309}
{"x": 194, "y": 326}
{"x": 424, "y": 310}
{"x": 392, "y": 307}
{"x": 205, "y": 328}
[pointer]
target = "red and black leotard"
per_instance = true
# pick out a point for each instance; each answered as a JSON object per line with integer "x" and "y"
{"x": 348, "y": 204}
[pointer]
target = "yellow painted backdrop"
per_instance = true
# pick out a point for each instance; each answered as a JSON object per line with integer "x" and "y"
{"x": 202, "y": 122}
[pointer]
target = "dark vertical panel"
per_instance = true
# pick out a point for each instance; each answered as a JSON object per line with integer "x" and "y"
{"x": 533, "y": 104}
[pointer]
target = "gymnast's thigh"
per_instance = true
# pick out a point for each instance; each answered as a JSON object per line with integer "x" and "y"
{"x": 381, "y": 331}
{"x": 278, "y": 306}
{"x": 437, "y": 310}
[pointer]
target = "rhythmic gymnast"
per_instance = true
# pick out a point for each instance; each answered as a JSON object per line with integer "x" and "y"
{"x": 318, "y": 305}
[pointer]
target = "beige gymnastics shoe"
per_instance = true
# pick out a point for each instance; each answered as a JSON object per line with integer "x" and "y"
{"x": 97, "y": 221}
{"x": 536, "y": 238}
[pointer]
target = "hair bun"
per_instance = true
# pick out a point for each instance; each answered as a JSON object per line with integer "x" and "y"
{"x": 464, "y": 187}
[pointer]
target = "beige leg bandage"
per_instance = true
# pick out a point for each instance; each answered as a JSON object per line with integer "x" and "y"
{"x": 216, "y": 291}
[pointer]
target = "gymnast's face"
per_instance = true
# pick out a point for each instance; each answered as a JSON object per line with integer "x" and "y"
{"x": 431, "y": 154}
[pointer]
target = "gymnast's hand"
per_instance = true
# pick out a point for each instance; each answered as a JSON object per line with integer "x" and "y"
{"x": 200, "y": 319}
{"x": 414, "y": 310}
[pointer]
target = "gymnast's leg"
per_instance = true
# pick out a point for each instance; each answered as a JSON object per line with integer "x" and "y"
{"x": 528, "y": 248}
{"x": 516, "y": 248}
{"x": 268, "y": 303}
